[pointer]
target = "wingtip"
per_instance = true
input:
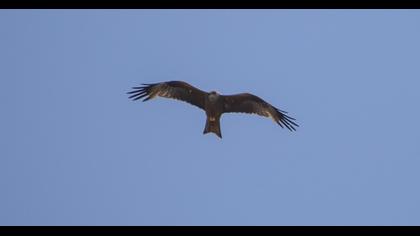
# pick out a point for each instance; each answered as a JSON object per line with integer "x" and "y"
{"x": 146, "y": 99}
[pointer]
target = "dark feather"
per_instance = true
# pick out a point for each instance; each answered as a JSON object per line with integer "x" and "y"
{"x": 173, "y": 89}
{"x": 249, "y": 103}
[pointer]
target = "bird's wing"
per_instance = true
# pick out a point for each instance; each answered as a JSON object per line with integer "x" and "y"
{"x": 249, "y": 103}
{"x": 172, "y": 89}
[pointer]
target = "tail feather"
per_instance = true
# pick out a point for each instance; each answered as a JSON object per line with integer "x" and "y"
{"x": 213, "y": 127}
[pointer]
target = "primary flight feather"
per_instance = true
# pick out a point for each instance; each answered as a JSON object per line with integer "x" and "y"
{"x": 213, "y": 104}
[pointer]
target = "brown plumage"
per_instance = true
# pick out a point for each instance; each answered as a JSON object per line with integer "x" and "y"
{"x": 213, "y": 103}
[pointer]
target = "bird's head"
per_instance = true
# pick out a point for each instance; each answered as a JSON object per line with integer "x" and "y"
{"x": 213, "y": 95}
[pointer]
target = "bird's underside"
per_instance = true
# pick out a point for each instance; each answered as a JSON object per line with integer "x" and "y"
{"x": 213, "y": 103}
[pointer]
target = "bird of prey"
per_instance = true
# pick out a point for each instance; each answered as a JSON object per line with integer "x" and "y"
{"x": 213, "y": 104}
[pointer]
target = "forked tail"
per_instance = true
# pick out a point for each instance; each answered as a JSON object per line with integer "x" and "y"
{"x": 213, "y": 126}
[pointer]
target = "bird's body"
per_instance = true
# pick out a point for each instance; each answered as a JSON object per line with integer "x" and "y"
{"x": 213, "y": 104}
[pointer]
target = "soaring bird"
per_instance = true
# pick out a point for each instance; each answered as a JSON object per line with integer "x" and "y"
{"x": 213, "y": 103}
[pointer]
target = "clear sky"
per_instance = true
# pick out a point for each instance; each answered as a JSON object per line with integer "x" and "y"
{"x": 76, "y": 151}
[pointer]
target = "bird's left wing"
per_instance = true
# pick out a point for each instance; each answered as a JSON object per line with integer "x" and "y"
{"x": 171, "y": 89}
{"x": 249, "y": 103}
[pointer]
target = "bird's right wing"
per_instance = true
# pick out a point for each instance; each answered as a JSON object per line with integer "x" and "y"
{"x": 171, "y": 89}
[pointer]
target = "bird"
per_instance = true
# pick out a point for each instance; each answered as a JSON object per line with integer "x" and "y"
{"x": 213, "y": 103}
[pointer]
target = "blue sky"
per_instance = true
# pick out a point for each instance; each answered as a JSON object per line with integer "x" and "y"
{"x": 76, "y": 151}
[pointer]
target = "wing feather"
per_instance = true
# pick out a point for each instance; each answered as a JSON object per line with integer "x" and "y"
{"x": 249, "y": 103}
{"x": 171, "y": 89}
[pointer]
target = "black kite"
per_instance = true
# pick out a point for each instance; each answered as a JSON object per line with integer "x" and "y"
{"x": 213, "y": 103}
